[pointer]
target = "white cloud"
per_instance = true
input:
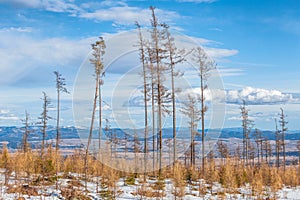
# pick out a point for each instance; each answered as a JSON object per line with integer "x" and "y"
{"x": 7, "y": 115}
{"x": 23, "y": 3}
{"x": 216, "y": 95}
{"x": 225, "y": 72}
{"x": 126, "y": 15}
{"x": 218, "y": 53}
{"x": 49, "y": 5}
{"x": 252, "y": 96}
{"x": 28, "y": 53}
{"x": 107, "y": 3}
{"x": 259, "y": 96}
{"x": 197, "y": 1}
{"x": 17, "y": 29}
{"x": 4, "y": 112}
{"x": 116, "y": 11}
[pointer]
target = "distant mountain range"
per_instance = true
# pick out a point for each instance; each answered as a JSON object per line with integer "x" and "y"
{"x": 13, "y": 135}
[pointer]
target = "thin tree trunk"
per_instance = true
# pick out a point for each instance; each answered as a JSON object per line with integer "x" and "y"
{"x": 153, "y": 121}
{"x": 173, "y": 111}
{"x": 90, "y": 132}
{"x": 100, "y": 118}
{"x": 202, "y": 123}
{"x": 57, "y": 138}
{"x": 159, "y": 102}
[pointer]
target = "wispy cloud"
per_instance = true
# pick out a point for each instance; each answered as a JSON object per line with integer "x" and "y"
{"x": 197, "y": 1}
{"x": 28, "y": 53}
{"x": 127, "y": 15}
{"x": 49, "y": 5}
{"x": 218, "y": 53}
{"x": 6, "y": 115}
{"x": 118, "y": 12}
{"x": 17, "y": 29}
{"x": 225, "y": 72}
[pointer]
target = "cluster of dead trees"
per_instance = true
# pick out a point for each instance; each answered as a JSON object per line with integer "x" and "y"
{"x": 261, "y": 147}
{"x": 159, "y": 57}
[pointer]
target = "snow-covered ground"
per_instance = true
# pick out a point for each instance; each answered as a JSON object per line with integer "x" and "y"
{"x": 131, "y": 192}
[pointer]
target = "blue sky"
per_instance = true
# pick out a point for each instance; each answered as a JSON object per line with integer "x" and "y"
{"x": 256, "y": 45}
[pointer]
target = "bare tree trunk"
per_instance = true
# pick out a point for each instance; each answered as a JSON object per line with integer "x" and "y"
{"x": 60, "y": 87}
{"x": 90, "y": 132}
{"x": 100, "y": 117}
{"x": 142, "y": 51}
{"x": 159, "y": 85}
{"x": 283, "y": 124}
{"x": 26, "y": 132}
{"x": 98, "y": 52}
{"x": 202, "y": 122}
{"x": 57, "y": 138}
{"x": 277, "y": 148}
{"x": 44, "y": 120}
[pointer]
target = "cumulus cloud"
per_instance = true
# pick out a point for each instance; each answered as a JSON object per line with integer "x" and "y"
{"x": 216, "y": 95}
{"x": 259, "y": 96}
{"x": 253, "y": 96}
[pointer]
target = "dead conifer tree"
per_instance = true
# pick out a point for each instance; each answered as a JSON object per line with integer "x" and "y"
{"x": 175, "y": 56}
{"x": 283, "y": 130}
{"x": 60, "y": 88}
{"x": 277, "y": 144}
{"x": 193, "y": 113}
{"x": 150, "y": 93}
{"x": 205, "y": 68}
{"x": 26, "y": 132}
{"x": 246, "y": 125}
{"x": 97, "y": 60}
{"x": 158, "y": 54}
{"x": 44, "y": 117}
{"x": 142, "y": 49}
{"x": 258, "y": 141}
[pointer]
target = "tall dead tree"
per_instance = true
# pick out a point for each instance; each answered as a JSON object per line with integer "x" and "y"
{"x": 158, "y": 54}
{"x": 150, "y": 93}
{"x": 205, "y": 68}
{"x": 97, "y": 60}
{"x": 142, "y": 49}
{"x": 247, "y": 126}
{"x": 190, "y": 109}
{"x": 44, "y": 117}
{"x": 258, "y": 141}
{"x": 277, "y": 144}
{"x": 298, "y": 147}
{"x": 26, "y": 133}
{"x": 283, "y": 123}
{"x": 60, "y": 88}
{"x": 175, "y": 56}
